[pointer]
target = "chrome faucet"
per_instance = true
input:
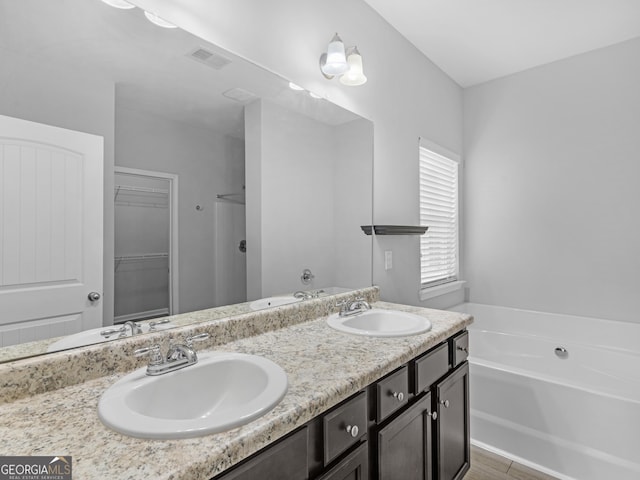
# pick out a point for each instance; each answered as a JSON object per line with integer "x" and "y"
{"x": 353, "y": 307}
{"x": 178, "y": 356}
{"x": 136, "y": 329}
{"x": 122, "y": 331}
{"x": 307, "y": 295}
{"x": 303, "y": 295}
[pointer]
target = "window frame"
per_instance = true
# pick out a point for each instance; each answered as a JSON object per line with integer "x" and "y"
{"x": 451, "y": 283}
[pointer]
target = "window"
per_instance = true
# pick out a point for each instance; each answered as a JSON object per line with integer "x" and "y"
{"x": 439, "y": 247}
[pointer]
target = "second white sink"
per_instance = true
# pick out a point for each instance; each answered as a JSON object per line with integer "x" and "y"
{"x": 378, "y": 322}
{"x": 220, "y": 392}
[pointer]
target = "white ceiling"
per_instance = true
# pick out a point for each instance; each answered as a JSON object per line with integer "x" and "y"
{"x": 475, "y": 41}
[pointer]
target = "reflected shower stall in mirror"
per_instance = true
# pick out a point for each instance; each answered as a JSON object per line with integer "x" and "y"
{"x": 269, "y": 181}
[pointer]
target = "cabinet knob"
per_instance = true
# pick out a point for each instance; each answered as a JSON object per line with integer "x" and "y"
{"x": 445, "y": 403}
{"x": 398, "y": 396}
{"x": 352, "y": 430}
{"x": 462, "y": 349}
{"x": 433, "y": 415}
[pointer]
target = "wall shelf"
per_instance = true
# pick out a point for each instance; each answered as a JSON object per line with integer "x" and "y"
{"x": 394, "y": 229}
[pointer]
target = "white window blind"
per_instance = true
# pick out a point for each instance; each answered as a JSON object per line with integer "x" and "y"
{"x": 438, "y": 211}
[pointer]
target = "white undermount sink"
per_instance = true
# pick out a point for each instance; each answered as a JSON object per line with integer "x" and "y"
{"x": 220, "y": 392}
{"x": 378, "y": 322}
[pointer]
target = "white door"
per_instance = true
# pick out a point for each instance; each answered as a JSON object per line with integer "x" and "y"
{"x": 51, "y": 231}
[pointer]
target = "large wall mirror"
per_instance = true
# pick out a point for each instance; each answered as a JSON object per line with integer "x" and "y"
{"x": 223, "y": 187}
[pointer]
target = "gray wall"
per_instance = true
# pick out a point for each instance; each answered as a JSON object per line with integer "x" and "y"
{"x": 407, "y": 96}
{"x": 207, "y": 164}
{"x": 552, "y": 197}
{"x": 314, "y": 192}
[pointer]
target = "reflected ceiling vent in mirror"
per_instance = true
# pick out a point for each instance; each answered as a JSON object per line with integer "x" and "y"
{"x": 208, "y": 58}
{"x": 240, "y": 95}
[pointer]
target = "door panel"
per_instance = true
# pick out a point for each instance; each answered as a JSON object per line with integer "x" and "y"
{"x": 51, "y": 226}
{"x": 453, "y": 437}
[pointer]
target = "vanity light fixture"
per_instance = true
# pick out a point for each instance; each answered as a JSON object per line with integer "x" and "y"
{"x": 296, "y": 87}
{"x": 314, "y": 95}
{"x": 355, "y": 75}
{"x": 156, "y": 20}
{"x": 346, "y": 63}
{"x": 122, "y": 4}
{"x": 334, "y": 61}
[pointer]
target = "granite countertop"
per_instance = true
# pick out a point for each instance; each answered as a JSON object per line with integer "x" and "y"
{"x": 323, "y": 366}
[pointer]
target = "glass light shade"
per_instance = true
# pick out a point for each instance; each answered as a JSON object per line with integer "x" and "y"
{"x": 123, "y": 4}
{"x": 336, "y": 60}
{"x": 355, "y": 76}
{"x": 156, "y": 20}
{"x": 293, "y": 86}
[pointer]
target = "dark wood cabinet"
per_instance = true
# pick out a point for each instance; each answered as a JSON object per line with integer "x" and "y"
{"x": 405, "y": 444}
{"x": 354, "y": 466}
{"x": 452, "y": 425}
{"x": 344, "y": 426}
{"x": 412, "y": 424}
{"x": 284, "y": 460}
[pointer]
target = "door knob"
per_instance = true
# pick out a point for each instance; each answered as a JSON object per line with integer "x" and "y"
{"x": 94, "y": 296}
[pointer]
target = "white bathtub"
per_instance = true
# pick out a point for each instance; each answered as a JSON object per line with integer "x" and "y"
{"x": 576, "y": 417}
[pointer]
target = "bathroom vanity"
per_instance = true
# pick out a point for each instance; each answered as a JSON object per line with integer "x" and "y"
{"x": 411, "y": 424}
{"x": 356, "y": 406}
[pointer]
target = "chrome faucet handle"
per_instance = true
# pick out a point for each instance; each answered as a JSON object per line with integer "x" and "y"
{"x": 153, "y": 324}
{"x": 189, "y": 341}
{"x": 111, "y": 331}
{"x": 153, "y": 351}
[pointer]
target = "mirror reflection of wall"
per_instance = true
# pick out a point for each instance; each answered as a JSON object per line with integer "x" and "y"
{"x": 309, "y": 177}
{"x": 87, "y": 67}
{"x": 207, "y": 163}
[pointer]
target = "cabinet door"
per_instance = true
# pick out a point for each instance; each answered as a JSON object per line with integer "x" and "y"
{"x": 354, "y": 467}
{"x": 285, "y": 460}
{"x": 404, "y": 445}
{"x": 452, "y": 426}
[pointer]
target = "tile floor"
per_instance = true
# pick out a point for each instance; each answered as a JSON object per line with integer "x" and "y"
{"x": 489, "y": 466}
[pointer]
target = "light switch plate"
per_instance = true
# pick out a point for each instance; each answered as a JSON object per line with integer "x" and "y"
{"x": 388, "y": 259}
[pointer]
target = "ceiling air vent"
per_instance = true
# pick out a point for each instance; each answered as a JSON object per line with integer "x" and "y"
{"x": 209, "y": 58}
{"x": 240, "y": 95}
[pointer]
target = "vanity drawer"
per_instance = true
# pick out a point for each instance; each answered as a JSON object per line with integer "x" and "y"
{"x": 344, "y": 426}
{"x": 430, "y": 367}
{"x": 392, "y": 392}
{"x": 460, "y": 348}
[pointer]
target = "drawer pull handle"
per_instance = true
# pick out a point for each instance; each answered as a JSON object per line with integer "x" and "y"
{"x": 433, "y": 415}
{"x": 398, "y": 396}
{"x": 352, "y": 430}
{"x": 463, "y": 349}
{"x": 445, "y": 403}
